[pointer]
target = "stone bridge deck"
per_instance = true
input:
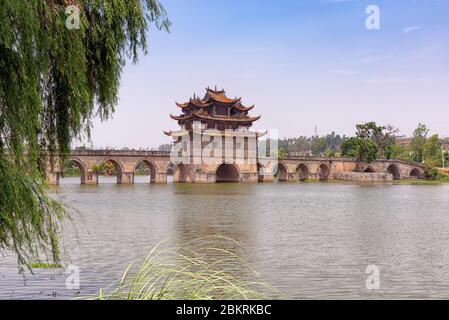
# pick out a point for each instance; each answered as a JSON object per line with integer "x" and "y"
{"x": 294, "y": 167}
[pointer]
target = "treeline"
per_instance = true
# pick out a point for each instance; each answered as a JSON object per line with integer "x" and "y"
{"x": 328, "y": 145}
{"x": 381, "y": 142}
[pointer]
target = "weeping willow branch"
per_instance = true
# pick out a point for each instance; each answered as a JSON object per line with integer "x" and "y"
{"x": 53, "y": 82}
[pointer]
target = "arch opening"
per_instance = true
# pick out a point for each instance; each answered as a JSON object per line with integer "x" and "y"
{"x": 281, "y": 172}
{"x": 303, "y": 172}
{"x": 73, "y": 171}
{"x": 415, "y": 173}
{"x": 145, "y": 172}
{"x": 227, "y": 173}
{"x": 323, "y": 172}
{"x": 109, "y": 171}
{"x": 169, "y": 172}
{"x": 394, "y": 171}
{"x": 369, "y": 170}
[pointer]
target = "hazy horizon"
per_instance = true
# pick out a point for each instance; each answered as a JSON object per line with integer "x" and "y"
{"x": 301, "y": 63}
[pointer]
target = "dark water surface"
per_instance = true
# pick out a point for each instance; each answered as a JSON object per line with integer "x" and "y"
{"x": 312, "y": 240}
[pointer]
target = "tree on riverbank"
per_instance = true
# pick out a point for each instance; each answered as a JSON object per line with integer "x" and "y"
{"x": 56, "y": 76}
{"x": 370, "y": 143}
{"x": 418, "y": 141}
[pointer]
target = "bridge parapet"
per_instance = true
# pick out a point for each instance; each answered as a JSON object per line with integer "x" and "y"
{"x": 122, "y": 153}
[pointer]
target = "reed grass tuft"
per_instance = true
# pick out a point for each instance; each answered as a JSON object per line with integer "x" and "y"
{"x": 197, "y": 270}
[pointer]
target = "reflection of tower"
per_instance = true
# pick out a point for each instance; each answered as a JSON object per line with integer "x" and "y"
{"x": 216, "y": 127}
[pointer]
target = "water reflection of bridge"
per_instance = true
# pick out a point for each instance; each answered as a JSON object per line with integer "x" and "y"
{"x": 291, "y": 168}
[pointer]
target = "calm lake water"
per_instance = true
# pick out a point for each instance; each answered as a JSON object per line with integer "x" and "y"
{"x": 309, "y": 240}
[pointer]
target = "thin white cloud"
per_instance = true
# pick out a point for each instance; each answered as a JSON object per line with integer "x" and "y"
{"x": 411, "y": 29}
{"x": 369, "y": 59}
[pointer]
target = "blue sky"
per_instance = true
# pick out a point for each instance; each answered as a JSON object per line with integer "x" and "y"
{"x": 302, "y": 63}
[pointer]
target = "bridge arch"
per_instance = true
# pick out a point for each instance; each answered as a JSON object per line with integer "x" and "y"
{"x": 416, "y": 173}
{"x": 227, "y": 172}
{"x": 370, "y": 169}
{"x": 81, "y": 165}
{"x": 394, "y": 170}
{"x": 281, "y": 172}
{"x": 303, "y": 171}
{"x": 150, "y": 165}
{"x": 324, "y": 172}
{"x": 117, "y": 165}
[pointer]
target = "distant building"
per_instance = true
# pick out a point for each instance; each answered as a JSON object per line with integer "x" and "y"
{"x": 445, "y": 144}
{"x": 403, "y": 141}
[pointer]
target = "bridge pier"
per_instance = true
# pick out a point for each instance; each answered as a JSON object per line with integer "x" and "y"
{"x": 249, "y": 177}
{"x": 293, "y": 176}
{"x": 126, "y": 178}
{"x": 161, "y": 178}
{"x": 268, "y": 177}
{"x": 53, "y": 178}
{"x": 204, "y": 177}
{"x": 90, "y": 178}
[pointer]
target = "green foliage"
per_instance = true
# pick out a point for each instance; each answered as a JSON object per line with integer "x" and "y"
{"x": 45, "y": 265}
{"x": 350, "y": 148}
{"x": 142, "y": 170}
{"x": 28, "y": 218}
{"x": 70, "y": 169}
{"x": 282, "y": 153}
{"x": 105, "y": 168}
{"x": 363, "y": 149}
{"x": 53, "y": 82}
{"x": 371, "y": 142}
{"x": 329, "y": 153}
{"x": 195, "y": 271}
{"x": 400, "y": 152}
{"x": 418, "y": 141}
{"x": 432, "y": 174}
{"x": 432, "y": 152}
{"x": 96, "y": 168}
{"x": 381, "y": 136}
{"x": 316, "y": 145}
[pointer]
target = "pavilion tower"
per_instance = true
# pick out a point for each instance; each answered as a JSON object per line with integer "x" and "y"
{"x": 216, "y": 126}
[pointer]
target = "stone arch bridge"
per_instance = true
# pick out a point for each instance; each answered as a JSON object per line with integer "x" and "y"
{"x": 297, "y": 168}
{"x": 291, "y": 168}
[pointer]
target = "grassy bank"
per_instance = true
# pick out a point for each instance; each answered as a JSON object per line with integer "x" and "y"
{"x": 45, "y": 265}
{"x": 422, "y": 182}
